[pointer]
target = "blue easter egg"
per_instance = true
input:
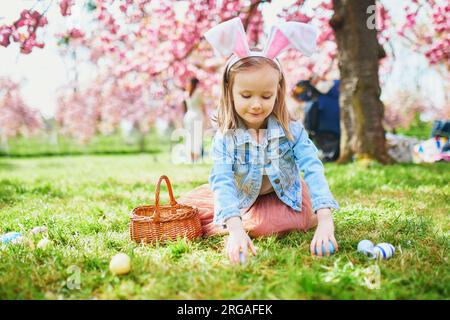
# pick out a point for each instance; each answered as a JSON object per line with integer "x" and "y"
{"x": 366, "y": 247}
{"x": 384, "y": 250}
{"x": 242, "y": 257}
{"x": 330, "y": 247}
{"x": 10, "y": 236}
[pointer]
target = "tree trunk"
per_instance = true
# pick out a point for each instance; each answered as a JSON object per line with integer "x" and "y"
{"x": 362, "y": 132}
{"x": 4, "y": 146}
{"x": 141, "y": 141}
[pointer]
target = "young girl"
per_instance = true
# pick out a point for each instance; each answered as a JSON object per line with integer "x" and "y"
{"x": 255, "y": 188}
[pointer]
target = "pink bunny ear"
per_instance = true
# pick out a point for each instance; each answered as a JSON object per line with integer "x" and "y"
{"x": 298, "y": 35}
{"x": 229, "y": 37}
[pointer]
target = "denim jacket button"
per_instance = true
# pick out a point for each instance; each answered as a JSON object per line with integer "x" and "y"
{"x": 277, "y": 181}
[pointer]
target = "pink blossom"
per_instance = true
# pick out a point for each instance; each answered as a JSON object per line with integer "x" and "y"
{"x": 76, "y": 33}
{"x": 65, "y": 7}
{"x": 16, "y": 117}
{"x": 148, "y": 55}
{"x": 5, "y": 34}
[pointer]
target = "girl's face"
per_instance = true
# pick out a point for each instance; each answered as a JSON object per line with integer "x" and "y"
{"x": 254, "y": 94}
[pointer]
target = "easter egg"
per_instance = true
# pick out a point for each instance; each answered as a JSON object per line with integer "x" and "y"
{"x": 37, "y": 230}
{"x": 330, "y": 248}
{"x": 120, "y": 264}
{"x": 366, "y": 247}
{"x": 242, "y": 257}
{"x": 44, "y": 243}
{"x": 12, "y": 237}
{"x": 384, "y": 250}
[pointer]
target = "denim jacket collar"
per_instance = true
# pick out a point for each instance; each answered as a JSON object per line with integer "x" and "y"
{"x": 274, "y": 130}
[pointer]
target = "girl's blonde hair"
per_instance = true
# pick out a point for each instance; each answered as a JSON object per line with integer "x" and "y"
{"x": 227, "y": 117}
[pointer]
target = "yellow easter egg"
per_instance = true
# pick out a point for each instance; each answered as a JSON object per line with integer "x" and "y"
{"x": 120, "y": 264}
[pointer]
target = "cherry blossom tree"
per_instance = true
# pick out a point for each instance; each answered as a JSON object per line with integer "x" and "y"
{"x": 146, "y": 51}
{"x": 16, "y": 118}
{"x": 146, "y": 55}
{"x": 427, "y": 30}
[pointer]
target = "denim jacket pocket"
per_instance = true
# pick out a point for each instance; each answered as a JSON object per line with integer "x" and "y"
{"x": 242, "y": 180}
{"x": 279, "y": 150}
{"x": 282, "y": 160}
{"x": 241, "y": 169}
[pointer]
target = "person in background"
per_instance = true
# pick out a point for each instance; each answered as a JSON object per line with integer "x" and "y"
{"x": 321, "y": 115}
{"x": 193, "y": 121}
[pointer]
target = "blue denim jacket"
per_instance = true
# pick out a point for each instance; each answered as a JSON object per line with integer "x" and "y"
{"x": 239, "y": 163}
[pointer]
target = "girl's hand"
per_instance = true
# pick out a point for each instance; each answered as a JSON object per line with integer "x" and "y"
{"x": 324, "y": 232}
{"x": 238, "y": 241}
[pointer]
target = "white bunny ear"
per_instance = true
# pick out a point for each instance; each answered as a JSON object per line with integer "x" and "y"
{"x": 298, "y": 35}
{"x": 229, "y": 37}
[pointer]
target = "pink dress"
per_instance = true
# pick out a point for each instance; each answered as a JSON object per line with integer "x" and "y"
{"x": 267, "y": 216}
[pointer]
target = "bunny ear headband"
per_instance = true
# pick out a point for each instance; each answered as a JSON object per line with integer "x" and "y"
{"x": 229, "y": 38}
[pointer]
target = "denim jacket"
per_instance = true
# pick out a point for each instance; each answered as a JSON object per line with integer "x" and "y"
{"x": 239, "y": 163}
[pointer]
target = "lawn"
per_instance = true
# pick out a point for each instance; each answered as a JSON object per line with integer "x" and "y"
{"x": 85, "y": 202}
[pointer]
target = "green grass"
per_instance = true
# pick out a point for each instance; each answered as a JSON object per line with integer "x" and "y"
{"x": 43, "y": 145}
{"x": 85, "y": 202}
{"x": 418, "y": 129}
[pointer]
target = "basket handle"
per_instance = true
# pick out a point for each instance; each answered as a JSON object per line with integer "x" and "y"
{"x": 173, "y": 202}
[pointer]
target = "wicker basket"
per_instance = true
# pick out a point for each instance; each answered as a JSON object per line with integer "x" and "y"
{"x": 152, "y": 223}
